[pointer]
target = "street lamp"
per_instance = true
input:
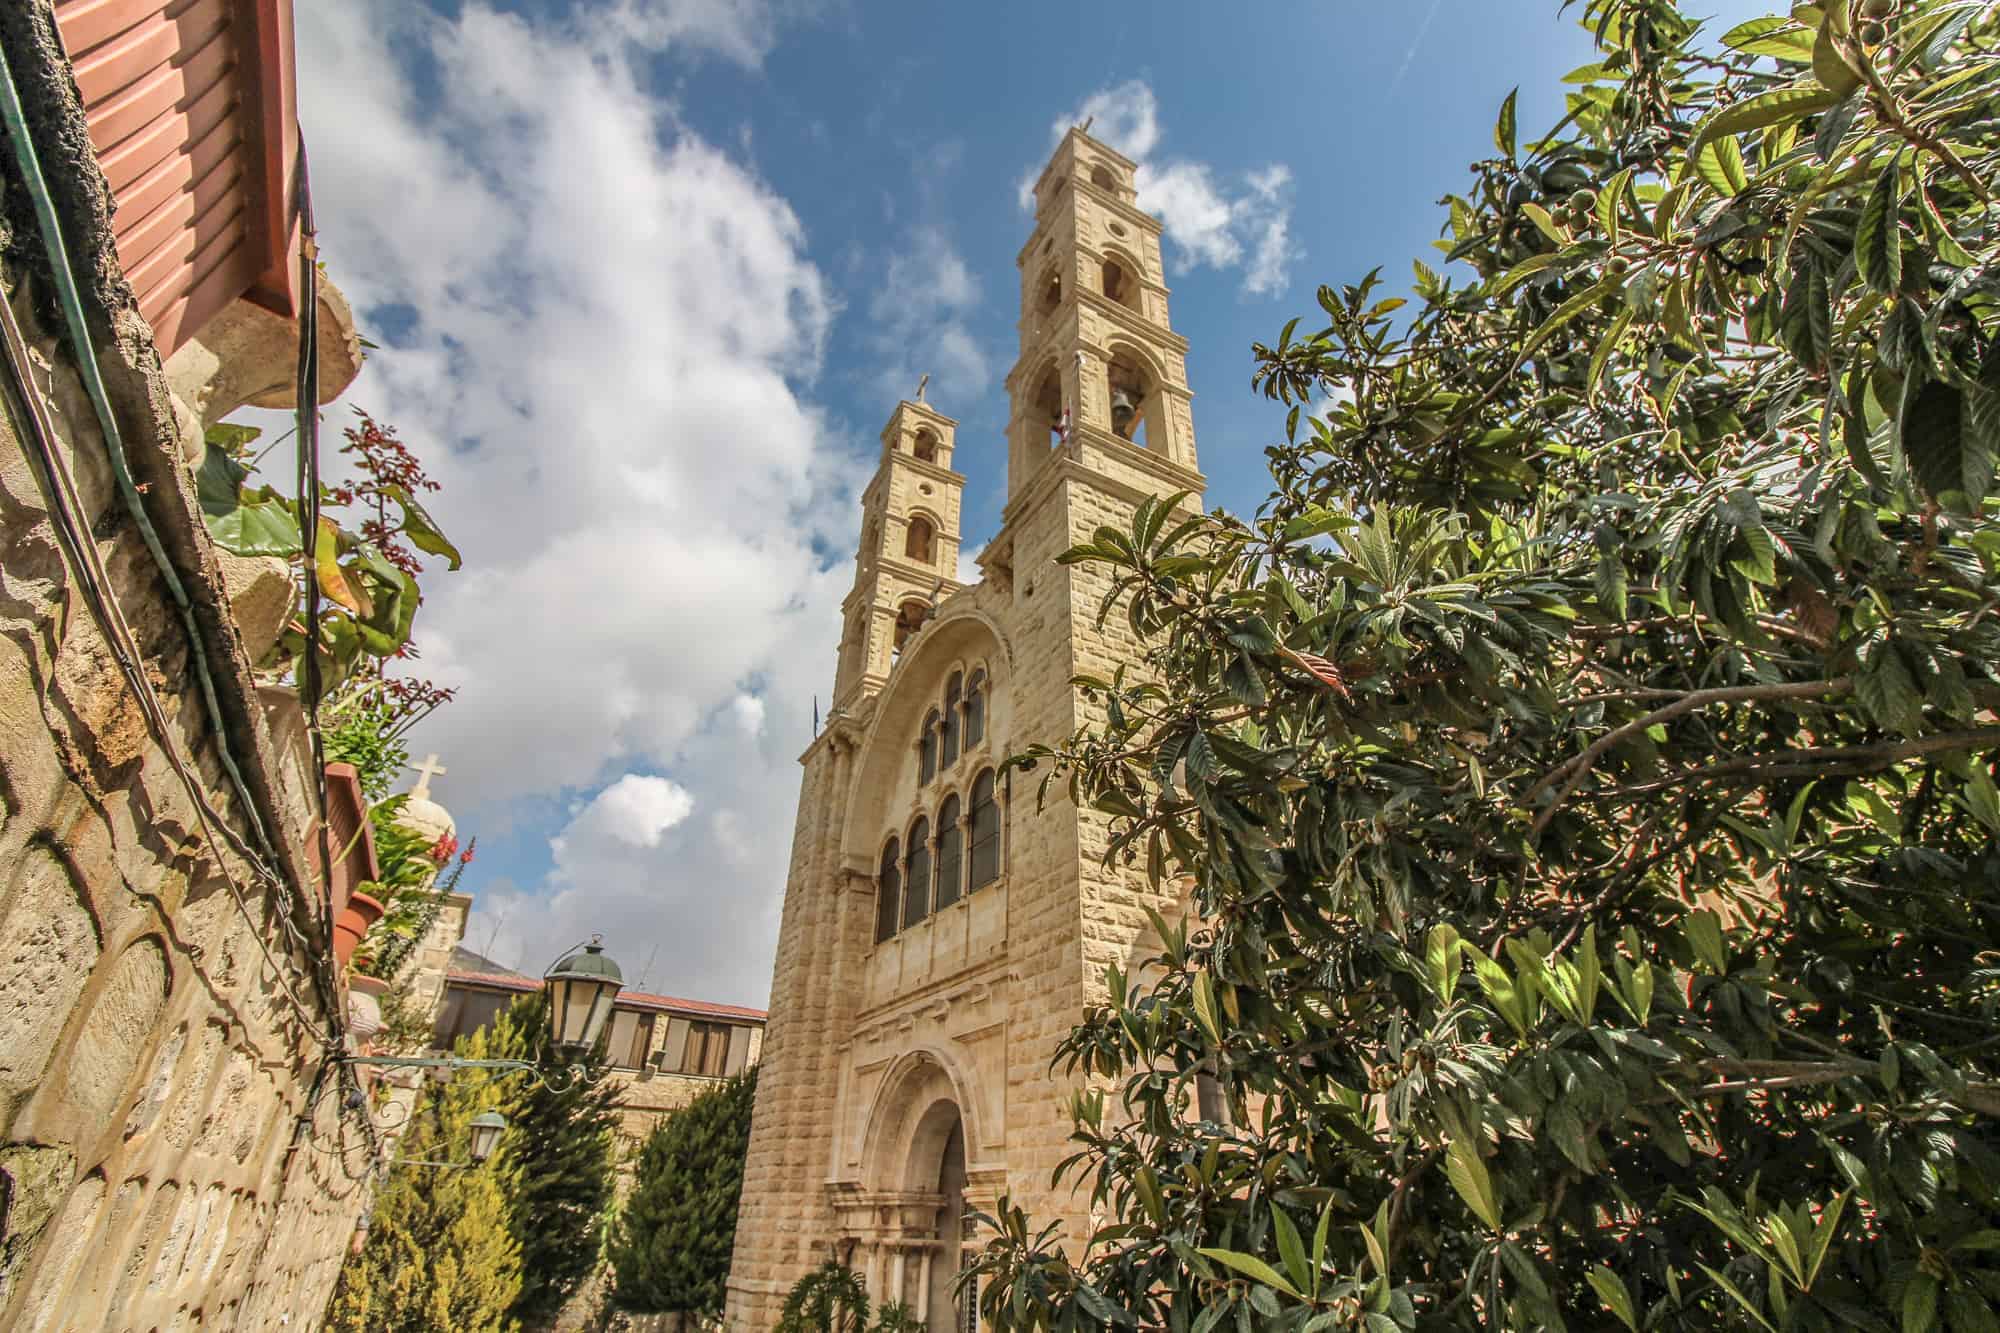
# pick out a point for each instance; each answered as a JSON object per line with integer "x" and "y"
{"x": 580, "y": 990}
{"x": 487, "y": 1127}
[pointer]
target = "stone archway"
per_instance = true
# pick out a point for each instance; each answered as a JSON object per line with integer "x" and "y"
{"x": 907, "y": 1221}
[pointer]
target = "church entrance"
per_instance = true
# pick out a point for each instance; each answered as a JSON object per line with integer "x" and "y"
{"x": 945, "y": 1313}
{"x": 934, "y": 1237}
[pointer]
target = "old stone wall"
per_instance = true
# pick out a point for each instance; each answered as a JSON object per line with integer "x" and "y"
{"x": 164, "y": 1016}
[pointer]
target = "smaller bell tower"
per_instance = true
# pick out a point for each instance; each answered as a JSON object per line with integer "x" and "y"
{"x": 907, "y": 561}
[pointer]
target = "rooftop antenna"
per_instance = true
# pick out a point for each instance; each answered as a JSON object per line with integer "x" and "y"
{"x": 647, "y": 971}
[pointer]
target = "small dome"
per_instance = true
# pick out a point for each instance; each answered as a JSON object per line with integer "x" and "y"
{"x": 422, "y": 815}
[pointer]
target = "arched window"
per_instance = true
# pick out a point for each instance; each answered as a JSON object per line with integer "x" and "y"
{"x": 1119, "y": 285}
{"x": 917, "y": 544}
{"x": 1046, "y": 408}
{"x": 985, "y": 823}
{"x": 888, "y": 894}
{"x": 1052, "y": 291}
{"x": 948, "y": 737}
{"x": 1101, "y": 177}
{"x": 926, "y": 445}
{"x": 927, "y": 750}
{"x": 951, "y": 854}
{"x": 1134, "y": 404}
{"x": 909, "y": 619}
{"x": 917, "y": 901}
{"x": 975, "y": 710}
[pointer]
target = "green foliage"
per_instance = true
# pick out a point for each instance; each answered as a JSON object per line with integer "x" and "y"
{"x": 671, "y": 1245}
{"x": 441, "y": 1256}
{"x": 830, "y": 1299}
{"x": 367, "y": 578}
{"x": 563, "y": 1144}
{"x": 1583, "y": 765}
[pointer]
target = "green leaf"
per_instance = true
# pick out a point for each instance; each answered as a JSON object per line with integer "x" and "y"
{"x": 1503, "y": 129}
{"x": 1736, "y": 1295}
{"x": 1830, "y": 67}
{"x": 1947, "y": 437}
{"x": 1252, "y": 1267}
{"x": 1920, "y": 1302}
{"x": 1720, "y": 163}
{"x": 421, "y": 528}
{"x": 1468, "y": 1175}
{"x": 1776, "y": 36}
{"x": 1704, "y": 932}
{"x": 1610, "y": 1289}
{"x": 1878, "y": 241}
{"x": 1778, "y": 107}
{"x": 1291, "y": 1249}
{"x": 1204, "y": 1006}
{"x": 243, "y": 522}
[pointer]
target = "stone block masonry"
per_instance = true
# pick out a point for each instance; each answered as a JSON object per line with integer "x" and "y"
{"x": 159, "y": 1039}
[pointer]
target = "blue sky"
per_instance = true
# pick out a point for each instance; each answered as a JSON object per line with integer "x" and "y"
{"x": 649, "y": 276}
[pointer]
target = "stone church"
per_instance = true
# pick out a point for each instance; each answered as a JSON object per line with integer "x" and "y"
{"x": 941, "y": 930}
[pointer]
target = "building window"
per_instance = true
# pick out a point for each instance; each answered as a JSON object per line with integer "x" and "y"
{"x": 889, "y": 894}
{"x": 951, "y": 854}
{"x": 927, "y": 750}
{"x": 985, "y": 832}
{"x": 926, "y": 445}
{"x": 707, "y": 1051}
{"x": 917, "y": 541}
{"x": 464, "y": 1012}
{"x": 948, "y": 737}
{"x": 631, "y": 1037}
{"x": 917, "y": 901}
{"x": 975, "y": 710}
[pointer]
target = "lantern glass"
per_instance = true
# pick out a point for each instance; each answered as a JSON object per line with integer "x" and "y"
{"x": 487, "y": 1127}
{"x": 580, "y": 990}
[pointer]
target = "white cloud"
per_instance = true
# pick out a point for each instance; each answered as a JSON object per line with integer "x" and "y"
{"x": 637, "y": 810}
{"x": 748, "y": 710}
{"x": 615, "y": 327}
{"x": 968, "y": 563}
{"x": 1212, "y": 217}
{"x": 918, "y": 318}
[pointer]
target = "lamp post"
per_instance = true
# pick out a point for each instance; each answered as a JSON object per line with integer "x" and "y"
{"x": 486, "y": 1129}
{"x": 579, "y": 989}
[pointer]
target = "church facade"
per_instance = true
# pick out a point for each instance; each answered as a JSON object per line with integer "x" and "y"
{"x": 942, "y": 930}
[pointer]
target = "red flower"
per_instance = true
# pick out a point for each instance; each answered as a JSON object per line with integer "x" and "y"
{"x": 465, "y": 857}
{"x": 444, "y": 848}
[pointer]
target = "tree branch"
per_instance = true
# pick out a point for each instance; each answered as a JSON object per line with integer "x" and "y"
{"x": 1818, "y": 761}
{"x": 1573, "y": 772}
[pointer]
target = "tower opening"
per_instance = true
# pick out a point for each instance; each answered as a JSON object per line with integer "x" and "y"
{"x": 910, "y": 618}
{"x": 1101, "y": 177}
{"x": 1047, "y": 407}
{"x": 1052, "y": 292}
{"x": 919, "y": 541}
{"x": 1119, "y": 284}
{"x": 1134, "y": 401}
{"x": 925, "y": 446}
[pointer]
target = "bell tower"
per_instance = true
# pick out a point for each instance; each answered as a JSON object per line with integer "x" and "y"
{"x": 1101, "y": 381}
{"x": 908, "y": 558}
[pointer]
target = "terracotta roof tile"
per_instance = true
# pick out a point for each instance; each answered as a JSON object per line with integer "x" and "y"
{"x": 515, "y": 981}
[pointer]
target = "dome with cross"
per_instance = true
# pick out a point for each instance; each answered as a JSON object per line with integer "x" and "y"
{"x": 421, "y": 814}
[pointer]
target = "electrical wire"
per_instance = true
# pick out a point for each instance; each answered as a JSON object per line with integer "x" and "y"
{"x": 91, "y": 579}
{"x": 71, "y": 301}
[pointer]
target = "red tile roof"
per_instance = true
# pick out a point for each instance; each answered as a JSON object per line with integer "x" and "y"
{"x": 515, "y": 981}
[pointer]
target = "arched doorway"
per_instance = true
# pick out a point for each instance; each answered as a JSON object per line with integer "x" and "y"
{"x": 908, "y": 1219}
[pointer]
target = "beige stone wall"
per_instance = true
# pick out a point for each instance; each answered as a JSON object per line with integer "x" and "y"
{"x": 152, "y": 1067}
{"x": 873, "y": 1047}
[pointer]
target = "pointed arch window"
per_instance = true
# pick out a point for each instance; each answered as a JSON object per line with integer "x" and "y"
{"x": 888, "y": 893}
{"x": 954, "y": 692}
{"x": 975, "y": 710}
{"x": 951, "y": 854}
{"x": 927, "y": 750}
{"x": 985, "y": 827}
{"x": 919, "y": 542}
{"x": 917, "y": 897}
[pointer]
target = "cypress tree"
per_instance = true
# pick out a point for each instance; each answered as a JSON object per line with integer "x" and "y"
{"x": 670, "y": 1248}
{"x": 563, "y": 1142}
{"x": 441, "y": 1255}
